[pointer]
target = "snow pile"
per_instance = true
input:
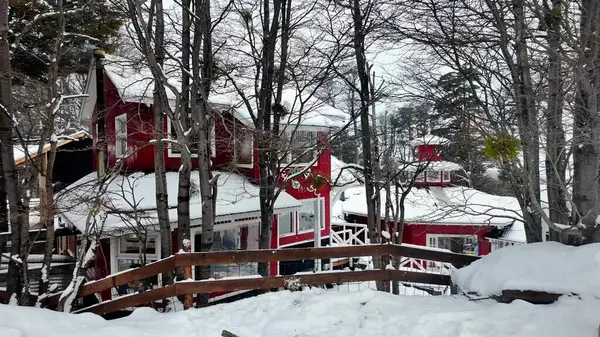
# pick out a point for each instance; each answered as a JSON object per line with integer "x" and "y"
{"x": 547, "y": 266}
{"x": 322, "y": 313}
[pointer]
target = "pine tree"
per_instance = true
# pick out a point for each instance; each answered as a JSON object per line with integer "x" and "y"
{"x": 34, "y": 30}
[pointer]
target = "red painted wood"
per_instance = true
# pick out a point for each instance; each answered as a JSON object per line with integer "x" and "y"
{"x": 428, "y": 152}
{"x": 416, "y": 234}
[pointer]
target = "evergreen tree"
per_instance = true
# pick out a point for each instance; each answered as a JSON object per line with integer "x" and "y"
{"x": 34, "y": 31}
{"x": 453, "y": 118}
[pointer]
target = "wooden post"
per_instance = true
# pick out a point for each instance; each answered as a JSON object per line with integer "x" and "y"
{"x": 188, "y": 301}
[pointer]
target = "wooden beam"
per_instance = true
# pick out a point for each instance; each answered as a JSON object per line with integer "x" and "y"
{"x": 130, "y": 301}
{"x": 140, "y": 273}
{"x": 292, "y": 281}
{"x": 233, "y": 257}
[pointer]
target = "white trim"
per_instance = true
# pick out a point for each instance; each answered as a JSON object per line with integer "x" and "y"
{"x": 120, "y": 137}
{"x": 212, "y": 139}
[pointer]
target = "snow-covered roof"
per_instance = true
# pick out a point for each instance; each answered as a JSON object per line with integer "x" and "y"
{"x": 444, "y": 205}
{"x": 436, "y": 165}
{"x": 349, "y": 176}
{"x": 131, "y": 197}
{"x": 429, "y": 139}
{"x": 134, "y": 82}
{"x": 21, "y": 154}
{"x": 514, "y": 233}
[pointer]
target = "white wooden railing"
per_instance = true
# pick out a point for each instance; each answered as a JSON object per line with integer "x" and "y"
{"x": 350, "y": 235}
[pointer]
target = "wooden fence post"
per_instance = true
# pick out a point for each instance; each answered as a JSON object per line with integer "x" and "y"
{"x": 188, "y": 301}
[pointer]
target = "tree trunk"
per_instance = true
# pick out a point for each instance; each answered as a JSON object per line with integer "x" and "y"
{"x": 14, "y": 277}
{"x": 183, "y": 196}
{"x": 528, "y": 124}
{"x": 556, "y": 159}
{"x": 267, "y": 127}
{"x": 162, "y": 198}
{"x": 47, "y": 222}
{"x": 368, "y": 164}
{"x": 201, "y": 107}
{"x": 586, "y": 152}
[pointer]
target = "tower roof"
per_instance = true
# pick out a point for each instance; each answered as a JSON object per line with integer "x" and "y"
{"x": 429, "y": 139}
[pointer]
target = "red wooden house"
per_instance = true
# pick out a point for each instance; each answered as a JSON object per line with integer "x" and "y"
{"x": 129, "y": 204}
{"x": 439, "y": 214}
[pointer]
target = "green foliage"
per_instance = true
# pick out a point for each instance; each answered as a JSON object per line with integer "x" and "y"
{"x": 503, "y": 147}
{"x": 97, "y": 22}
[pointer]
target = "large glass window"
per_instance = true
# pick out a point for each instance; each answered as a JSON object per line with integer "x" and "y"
{"x": 307, "y": 216}
{"x": 131, "y": 253}
{"x": 243, "y": 147}
{"x": 301, "y": 149}
{"x": 433, "y": 176}
{"x": 238, "y": 238}
{"x": 286, "y": 223}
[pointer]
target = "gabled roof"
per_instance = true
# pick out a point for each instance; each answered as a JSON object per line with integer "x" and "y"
{"x": 131, "y": 198}
{"x": 134, "y": 83}
{"x": 430, "y": 139}
{"x": 31, "y": 151}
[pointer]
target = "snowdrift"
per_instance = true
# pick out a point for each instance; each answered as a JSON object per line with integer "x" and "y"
{"x": 320, "y": 313}
{"x": 548, "y": 266}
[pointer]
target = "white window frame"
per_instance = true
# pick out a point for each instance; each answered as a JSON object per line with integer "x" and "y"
{"x": 235, "y": 154}
{"x": 444, "y": 173}
{"x": 120, "y": 137}
{"x": 322, "y": 213}
{"x": 432, "y": 239}
{"x": 294, "y": 218}
{"x": 212, "y": 138}
{"x": 116, "y": 255}
{"x": 287, "y": 159}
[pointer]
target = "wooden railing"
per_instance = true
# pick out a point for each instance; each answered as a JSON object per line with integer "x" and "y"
{"x": 187, "y": 288}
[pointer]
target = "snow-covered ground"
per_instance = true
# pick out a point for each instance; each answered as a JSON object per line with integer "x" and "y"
{"x": 544, "y": 266}
{"x": 318, "y": 312}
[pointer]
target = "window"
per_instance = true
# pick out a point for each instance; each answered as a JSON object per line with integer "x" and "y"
{"x": 121, "y": 135}
{"x": 128, "y": 254}
{"x": 433, "y": 176}
{"x": 175, "y": 151}
{"x": 238, "y": 238}
{"x": 446, "y": 176}
{"x": 306, "y": 215}
{"x": 244, "y": 146}
{"x": 286, "y": 224}
{"x": 464, "y": 244}
{"x": 301, "y": 149}
{"x": 420, "y": 177}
